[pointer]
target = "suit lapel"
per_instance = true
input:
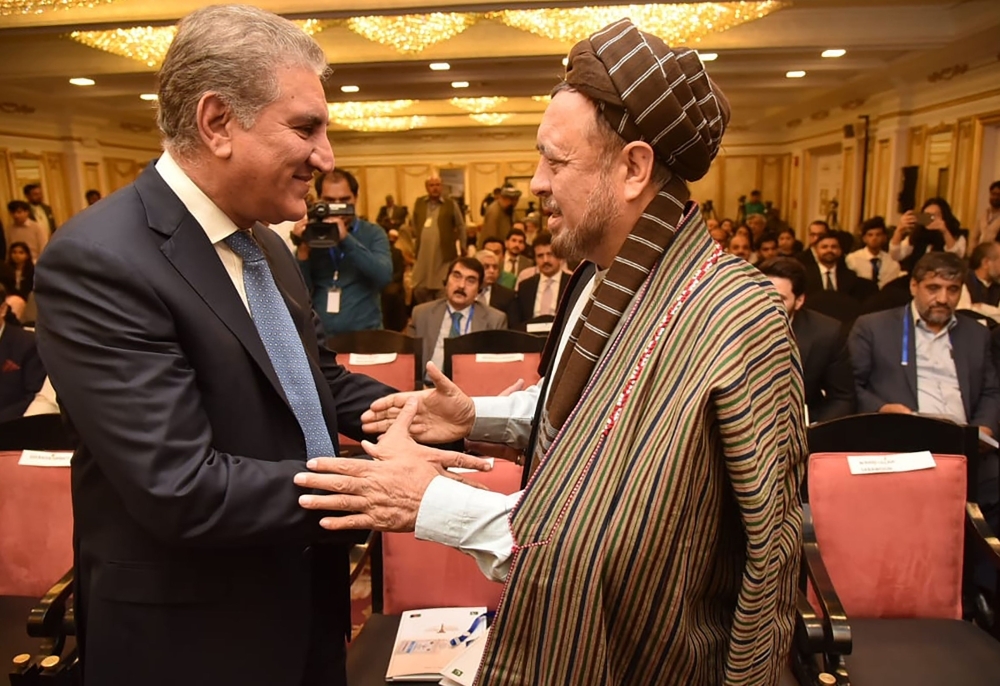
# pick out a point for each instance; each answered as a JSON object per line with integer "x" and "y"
{"x": 188, "y": 249}
{"x": 435, "y": 316}
{"x": 800, "y": 329}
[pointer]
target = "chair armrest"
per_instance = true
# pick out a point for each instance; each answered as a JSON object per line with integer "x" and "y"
{"x": 48, "y": 618}
{"x": 836, "y": 628}
{"x": 809, "y": 634}
{"x": 982, "y": 533}
{"x": 359, "y": 555}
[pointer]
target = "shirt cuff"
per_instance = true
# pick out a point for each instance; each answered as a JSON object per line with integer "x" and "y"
{"x": 448, "y": 509}
{"x": 492, "y": 419}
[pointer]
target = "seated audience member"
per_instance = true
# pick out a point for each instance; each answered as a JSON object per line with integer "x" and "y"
{"x": 757, "y": 223}
{"x": 788, "y": 244}
{"x": 539, "y": 295}
{"x": 455, "y": 314}
{"x": 715, "y": 230}
{"x": 496, "y": 246}
{"x": 829, "y": 273}
{"x": 766, "y": 247}
{"x": 739, "y": 245}
{"x": 987, "y": 226}
{"x": 815, "y": 230}
{"x": 92, "y": 196}
{"x": 872, "y": 262}
{"x": 22, "y": 270}
{"x": 21, "y": 370}
{"x": 826, "y": 363}
{"x": 493, "y": 294}
{"x": 912, "y": 240}
{"x": 921, "y": 358}
{"x": 24, "y": 229}
{"x": 515, "y": 261}
{"x": 728, "y": 225}
{"x": 983, "y": 279}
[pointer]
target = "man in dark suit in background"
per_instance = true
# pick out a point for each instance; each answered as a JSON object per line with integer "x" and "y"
{"x": 178, "y": 334}
{"x": 493, "y": 294}
{"x": 829, "y": 273}
{"x": 983, "y": 279}
{"x": 40, "y": 212}
{"x": 539, "y": 295}
{"x": 390, "y": 215}
{"x": 21, "y": 370}
{"x": 826, "y": 364}
{"x": 921, "y": 358}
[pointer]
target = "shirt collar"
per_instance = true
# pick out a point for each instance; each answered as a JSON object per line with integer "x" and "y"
{"x": 464, "y": 312}
{"x": 919, "y": 322}
{"x": 213, "y": 220}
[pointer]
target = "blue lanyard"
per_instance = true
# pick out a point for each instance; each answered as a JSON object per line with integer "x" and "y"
{"x": 481, "y": 619}
{"x": 906, "y": 336}
{"x": 337, "y": 254}
{"x": 468, "y": 318}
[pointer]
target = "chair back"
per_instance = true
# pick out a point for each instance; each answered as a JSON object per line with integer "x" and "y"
{"x": 37, "y": 432}
{"x": 420, "y": 574}
{"x": 36, "y": 526}
{"x": 484, "y": 363}
{"x": 892, "y": 542}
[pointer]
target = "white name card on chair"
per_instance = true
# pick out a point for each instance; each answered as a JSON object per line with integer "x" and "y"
{"x": 538, "y": 327}
{"x": 361, "y": 360}
{"x": 500, "y": 357}
{"x": 43, "y": 458}
{"x": 896, "y": 462}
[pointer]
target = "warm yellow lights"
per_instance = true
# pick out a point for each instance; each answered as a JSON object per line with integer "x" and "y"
{"x": 677, "y": 24}
{"x": 708, "y": 56}
{"x": 149, "y": 97}
{"x": 349, "y": 89}
{"x": 411, "y": 33}
{"x": 11, "y": 7}
{"x": 796, "y": 74}
{"x": 148, "y": 44}
{"x": 382, "y": 123}
{"x": 82, "y": 81}
{"x": 361, "y": 110}
{"x": 459, "y": 84}
{"x": 440, "y": 66}
{"x": 834, "y": 52}
{"x": 491, "y": 118}
{"x": 478, "y": 105}
{"x": 542, "y": 98}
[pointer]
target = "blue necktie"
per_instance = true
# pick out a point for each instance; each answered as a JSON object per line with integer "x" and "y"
{"x": 876, "y": 263}
{"x": 456, "y": 325}
{"x": 281, "y": 340}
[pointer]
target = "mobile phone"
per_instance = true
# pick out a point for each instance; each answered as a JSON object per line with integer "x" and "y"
{"x": 924, "y": 219}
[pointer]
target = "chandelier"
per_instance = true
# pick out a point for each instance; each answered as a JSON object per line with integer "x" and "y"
{"x": 382, "y": 123}
{"x": 362, "y": 110}
{"x": 491, "y": 118}
{"x": 412, "y": 33}
{"x": 149, "y": 44}
{"x": 676, "y": 24}
{"x": 542, "y": 98}
{"x": 10, "y": 7}
{"x": 478, "y": 105}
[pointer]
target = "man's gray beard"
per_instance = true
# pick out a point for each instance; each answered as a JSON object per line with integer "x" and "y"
{"x": 602, "y": 210}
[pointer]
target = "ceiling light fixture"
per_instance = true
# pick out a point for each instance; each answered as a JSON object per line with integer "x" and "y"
{"x": 349, "y": 89}
{"x": 478, "y": 105}
{"x": 371, "y": 108}
{"x": 411, "y": 33}
{"x": 11, "y": 7}
{"x": 834, "y": 52}
{"x": 708, "y": 56}
{"x": 149, "y": 97}
{"x": 491, "y": 118}
{"x": 82, "y": 81}
{"x": 676, "y": 23}
{"x": 565, "y": 61}
{"x": 459, "y": 84}
{"x": 149, "y": 44}
{"x": 382, "y": 123}
{"x": 796, "y": 74}
{"x": 440, "y": 66}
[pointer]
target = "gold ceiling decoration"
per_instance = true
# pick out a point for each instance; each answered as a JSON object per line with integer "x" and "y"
{"x": 361, "y": 110}
{"x": 148, "y": 44}
{"x": 676, "y": 24}
{"x": 478, "y": 105}
{"x": 412, "y": 33}
{"x": 491, "y": 118}
{"x": 11, "y": 7}
{"x": 542, "y": 98}
{"x": 382, "y": 123}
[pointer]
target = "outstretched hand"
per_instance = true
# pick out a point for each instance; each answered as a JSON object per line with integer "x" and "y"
{"x": 385, "y": 493}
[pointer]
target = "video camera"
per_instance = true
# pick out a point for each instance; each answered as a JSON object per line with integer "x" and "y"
{"x": 322, "y": 234}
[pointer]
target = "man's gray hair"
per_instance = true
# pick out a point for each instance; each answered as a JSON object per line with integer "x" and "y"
{"x": 486, "y": 253}
{"x": 943, "y": 264}
{"x": 234, "y": 51}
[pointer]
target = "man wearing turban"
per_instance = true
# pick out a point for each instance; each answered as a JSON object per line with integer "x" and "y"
{"x": 657, "y": 539}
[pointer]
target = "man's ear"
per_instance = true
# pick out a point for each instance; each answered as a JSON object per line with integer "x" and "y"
{"x": 639, "y": 158}
{"x": 215, "y": 125}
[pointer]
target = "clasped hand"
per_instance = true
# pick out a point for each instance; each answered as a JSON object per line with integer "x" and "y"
{"x": 383, "y": 493}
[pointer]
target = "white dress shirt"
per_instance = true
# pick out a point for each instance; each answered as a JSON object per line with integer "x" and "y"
{"x": 860, "y": 262}
{"x": 938, "y": 391}
{"x": 905, "y": 249}
{"x": 468, "y": 518}
{"x": 552, "y": 283}
{"x": 832, "y": 272}
{"x": 438, "y": 357}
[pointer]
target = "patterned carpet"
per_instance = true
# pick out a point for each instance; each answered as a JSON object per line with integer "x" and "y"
{"x": 361, "y": 600}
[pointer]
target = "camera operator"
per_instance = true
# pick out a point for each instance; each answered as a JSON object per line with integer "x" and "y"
{"x": 347, "y": 268}
{"x": 935, "y": 228}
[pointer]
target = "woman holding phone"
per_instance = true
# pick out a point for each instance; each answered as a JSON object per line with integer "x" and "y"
{"x": 934, "y": 228}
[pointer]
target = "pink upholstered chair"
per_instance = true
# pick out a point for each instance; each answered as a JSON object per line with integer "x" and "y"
{"x": 489, "y": 374}
{"x": 409, "y": 574}
{"x": 888, "y": 551}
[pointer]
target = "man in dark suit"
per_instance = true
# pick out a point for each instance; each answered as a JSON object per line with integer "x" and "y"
{"x": 455, "y": 314}
{"x": 826, "y": 364}
{"x": 921, "y": 358}
{"x": 829, "y": 273}
{"x": 179, "y": 336}
{"x": 539, "y": 295}
{"x": 40, "y": 212}
{"x": 390, "y": 215}
{"x": 21, "y": 370}
{"x": 983, "y": 279}
{"x": 816, "y": 229}
{"x": 493, "y": 294}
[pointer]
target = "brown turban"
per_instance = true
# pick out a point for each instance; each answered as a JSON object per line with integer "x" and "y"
{"x": 649, "y": 92}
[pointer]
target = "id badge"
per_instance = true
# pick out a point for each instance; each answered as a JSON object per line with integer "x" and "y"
{"x": 333, "y": 301}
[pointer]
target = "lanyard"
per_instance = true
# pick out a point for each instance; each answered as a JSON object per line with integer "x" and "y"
{"x": 480, "y": 620}
{"x": 906, "y": 336}
{"x": 468, "y": 318}
{"x": 337, "y": 254}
